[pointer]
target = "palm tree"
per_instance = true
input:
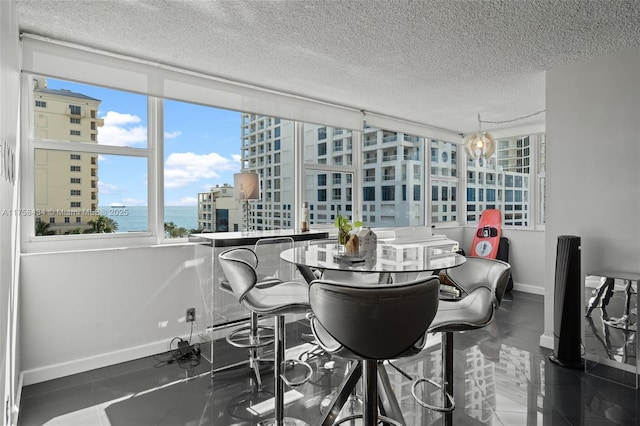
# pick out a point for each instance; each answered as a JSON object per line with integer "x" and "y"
{"x": 42, "y": 228}
{"x": 169, "y": 226}
{"x": 101, "y": 225}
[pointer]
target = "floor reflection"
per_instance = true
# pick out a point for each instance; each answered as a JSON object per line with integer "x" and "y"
{"x": 610, "y": 330}
{"x": 501, "y": 377}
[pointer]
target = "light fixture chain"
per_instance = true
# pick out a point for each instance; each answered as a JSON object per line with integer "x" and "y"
{"x": 511, "y": 120}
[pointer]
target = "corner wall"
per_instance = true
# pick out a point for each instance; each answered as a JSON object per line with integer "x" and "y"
{"x": 9, "y": 118}
{"x": 82, "y": 310}
{"x": 593, "y": 166}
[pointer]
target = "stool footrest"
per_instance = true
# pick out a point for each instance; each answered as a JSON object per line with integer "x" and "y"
{"x": 242, "y": 338}
{"x": 381, "y": 419}
{"x": 304, "y": 380}
{"x": 441, "y": 409}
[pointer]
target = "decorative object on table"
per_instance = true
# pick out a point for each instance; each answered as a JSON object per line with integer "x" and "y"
{"x": 368, "y": 239}
{"x": 246, "y": 187}
{"x": 480, "y": 144}
{"x": 344, "y": 227}
{"x": 352, "y": 245}
{"x": 304, "y": 214}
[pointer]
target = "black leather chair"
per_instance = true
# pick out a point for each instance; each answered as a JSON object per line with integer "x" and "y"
{"x": 482, "y": 282}
{"x": 289, "y": 297}
{"x": 372, "y": 323}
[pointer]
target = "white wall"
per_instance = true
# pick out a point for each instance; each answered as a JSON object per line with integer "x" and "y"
{"x": 88, "y": 309}
{"x": 526, "y": 256}
{"x": 9, "y": 116}
{"x": 593, "y": 166}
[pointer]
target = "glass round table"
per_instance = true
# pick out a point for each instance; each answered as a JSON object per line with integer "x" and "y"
{"x": 385, "y": 258}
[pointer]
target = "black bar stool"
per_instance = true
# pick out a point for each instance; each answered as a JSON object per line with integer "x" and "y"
{"x": 370, "y": 324}
{"x": 289, "y": 297}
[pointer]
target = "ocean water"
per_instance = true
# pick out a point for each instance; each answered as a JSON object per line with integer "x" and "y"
{"x": 135, "y": 218}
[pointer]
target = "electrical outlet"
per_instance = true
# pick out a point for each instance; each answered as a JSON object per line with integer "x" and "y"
{"x": 191, "y": 314}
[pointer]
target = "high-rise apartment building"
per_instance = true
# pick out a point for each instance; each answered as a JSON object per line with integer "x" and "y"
{"x": 393, "y": 175}
{"x": 218, "y": 210}
{"x": 267, "y": 149}
{"x": 66, "y": 183}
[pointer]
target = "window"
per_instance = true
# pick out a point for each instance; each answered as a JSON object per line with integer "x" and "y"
{"x": 369, "y": 193}
{"x": 417, "y": 192}
{"x": 41, "y": 104}
{"x": 394, "y": 161}
{"x": 444, "y": 181}
{"x": 388, "y": 193}
{"x": 322, "y": 149}
{"x": 322, "y": 179}
{"x": 62, "y": 169}
{"x": 507, "y": 180}
{"x": 322, "y": 133}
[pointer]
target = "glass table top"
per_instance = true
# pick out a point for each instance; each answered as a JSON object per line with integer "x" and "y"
{"x": 385, "y": 257}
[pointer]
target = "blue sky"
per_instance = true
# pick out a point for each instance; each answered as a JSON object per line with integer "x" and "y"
{"x": 201, "y": 150}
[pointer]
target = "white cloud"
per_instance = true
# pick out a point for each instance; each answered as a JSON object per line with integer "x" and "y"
{"x": 117, "y": 119}
{"x": 134, "y": 202}
{"x": 184, "y": 201}
{"x": 172, "y": 135}
{"x": 236, "y": 157}
{"x": 184, "y": 168}
{"x": 121, "y": 130}
{"x": 108, "y": 188}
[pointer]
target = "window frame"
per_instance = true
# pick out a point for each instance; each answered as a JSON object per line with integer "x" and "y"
{"x": 535, "y": 178}
{"x": 158, "y": 81}
{"x": 33, "y": 243}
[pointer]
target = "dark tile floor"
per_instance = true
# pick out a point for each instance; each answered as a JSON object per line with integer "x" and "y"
{"x": 502, "y": 377}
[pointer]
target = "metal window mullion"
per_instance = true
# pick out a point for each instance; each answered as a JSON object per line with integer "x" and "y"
{"x": 155, "y": 166}
{"x": 90, "y": 148}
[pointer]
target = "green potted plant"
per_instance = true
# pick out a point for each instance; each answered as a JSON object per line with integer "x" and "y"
{"x": 345, "y": 228}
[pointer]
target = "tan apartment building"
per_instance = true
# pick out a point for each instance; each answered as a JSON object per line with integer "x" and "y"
{"x": 66, "y": 184}
{"x": 218, "y": 210}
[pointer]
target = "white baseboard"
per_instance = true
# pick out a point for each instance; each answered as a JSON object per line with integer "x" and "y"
{"x": 49, "y": 372}
{"x": 15, "y": 412}
{"x": 546, "y": 341}
{"x": 528, "y": 288}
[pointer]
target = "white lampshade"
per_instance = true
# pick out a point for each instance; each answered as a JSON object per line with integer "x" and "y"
{"x": 480, "y": 145}
{"x": 246, "y": 186}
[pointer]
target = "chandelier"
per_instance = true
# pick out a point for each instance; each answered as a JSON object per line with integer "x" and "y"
{"x": 480, "y": 144}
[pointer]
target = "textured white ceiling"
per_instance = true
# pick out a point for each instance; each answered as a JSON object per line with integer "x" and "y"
{"x": 435, "y": 62}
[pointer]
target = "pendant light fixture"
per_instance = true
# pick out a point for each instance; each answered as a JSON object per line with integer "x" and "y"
{"x": 480, "y": 144}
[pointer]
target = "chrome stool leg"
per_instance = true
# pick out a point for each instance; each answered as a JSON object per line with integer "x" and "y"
{"x": 448, "y": 403}
{"x": 280, "y": 380}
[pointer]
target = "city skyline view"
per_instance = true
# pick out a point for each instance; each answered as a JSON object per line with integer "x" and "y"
{"x": 201, "y": 148}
